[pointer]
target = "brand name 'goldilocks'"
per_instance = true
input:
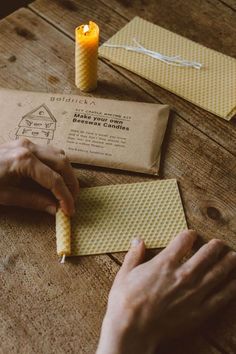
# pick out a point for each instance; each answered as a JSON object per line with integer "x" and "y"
{"x": 99, "y": 121}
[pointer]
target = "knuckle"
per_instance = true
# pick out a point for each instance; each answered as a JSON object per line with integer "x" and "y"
{"x": 186, "y": 273}
{"x": 56, "y": 150}
{"x": 167, "y": 265}
{"x": 232, "y": 255}
{"x": 216, "y": 243}
{"x": 219, "y": 272}
{"x": 63, "y": 162}
{"x": 170, "y": 258}
{"x": 230, "y": 259}
{"x": 24, "y": 142}
{"x": 22, "y": 154}
{"x": 183, "y": 275}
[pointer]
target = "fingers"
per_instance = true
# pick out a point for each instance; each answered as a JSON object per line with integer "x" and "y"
{"x": 205, "y": 257}
{"x": 178, "y": 248}
{"x": 58, "y": 161}
{"x": 28, "y": 165}
{"x": 134, "y": 257}
{"x": 28, "y": 199}
{"x": 218, "y": 273}
{"x": 49, "y": 167}
{"x": 220, "y": 299}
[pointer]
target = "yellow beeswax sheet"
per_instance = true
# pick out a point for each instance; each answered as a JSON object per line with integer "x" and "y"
{"x": 213, "y": 87}
{"x": 109, "y": 217}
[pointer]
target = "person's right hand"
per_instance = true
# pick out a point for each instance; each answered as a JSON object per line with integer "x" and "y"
{"x": 163, "y": 298}
{"x": 37, "y": 177}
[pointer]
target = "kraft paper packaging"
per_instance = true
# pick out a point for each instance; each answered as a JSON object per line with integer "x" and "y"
{"x": 100, "y": 132}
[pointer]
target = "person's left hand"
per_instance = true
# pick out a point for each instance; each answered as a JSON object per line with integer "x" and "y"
{"x": 37, "y": 177}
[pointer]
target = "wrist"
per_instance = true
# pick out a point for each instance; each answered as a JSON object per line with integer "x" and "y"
{"x": 120, "y": 335}
{"x": 113, "y": 334}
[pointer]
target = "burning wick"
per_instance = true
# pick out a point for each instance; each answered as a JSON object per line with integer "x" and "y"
{"x": 86, "y": 29}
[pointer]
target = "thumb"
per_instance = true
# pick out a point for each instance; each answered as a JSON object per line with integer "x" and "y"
{"x": 25, "y": 198}
{"x": 135, "y": 256}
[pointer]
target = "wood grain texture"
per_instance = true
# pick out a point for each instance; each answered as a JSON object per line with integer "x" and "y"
{"x": 230, "y": 3}
{"x": 202, "y": 166}
{"x": 201, "y": 23}
{"x": 206, "y": 171}
{"x": 198, "y": 21}
{"x": 47, "y": 307}
{"x": 36, "y": 56}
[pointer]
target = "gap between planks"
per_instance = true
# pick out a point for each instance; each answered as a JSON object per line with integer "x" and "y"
{"x": 113, "y": 67}
{"x": 226, "y": 4}
{"x": 70, "y": 37}
{"x": 223, "y": 2}
{"x": 113, "y": 258}
{"x": 110, "y": 65}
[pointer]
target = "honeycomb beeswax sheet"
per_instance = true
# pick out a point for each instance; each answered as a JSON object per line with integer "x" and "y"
{"x": 109, "y": 217}
{"x": 213, "y": 87}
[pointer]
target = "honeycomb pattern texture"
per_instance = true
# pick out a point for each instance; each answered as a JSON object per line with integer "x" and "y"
{"x": 109, "y": 217}
{"x": 213, "y": 87}
{"x": 63, "y": 234}
{"x": 86, "y": 61}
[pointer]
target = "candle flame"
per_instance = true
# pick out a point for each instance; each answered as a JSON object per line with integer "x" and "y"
{"x": 86, "y": 29}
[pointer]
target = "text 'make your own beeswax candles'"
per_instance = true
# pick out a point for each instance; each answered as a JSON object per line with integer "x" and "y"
{"x": 86, "y": 56}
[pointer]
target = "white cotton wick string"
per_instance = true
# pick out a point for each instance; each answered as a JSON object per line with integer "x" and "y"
{"x": 63, "y": 259}
{"x": 176, "y": 60}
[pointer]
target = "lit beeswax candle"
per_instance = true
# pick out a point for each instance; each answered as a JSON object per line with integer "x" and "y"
{"x": 86, "y": 56}
{"x": 63, "y": 235}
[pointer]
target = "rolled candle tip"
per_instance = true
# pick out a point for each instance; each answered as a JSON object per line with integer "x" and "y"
{"x": 63, "y": 259}
{"x": 86, "y": 29}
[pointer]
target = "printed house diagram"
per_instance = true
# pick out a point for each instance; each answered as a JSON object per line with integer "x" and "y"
{"x": 38, "y": 124}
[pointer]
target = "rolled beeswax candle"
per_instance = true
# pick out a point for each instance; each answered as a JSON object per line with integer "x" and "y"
{"x": 63, "y": 234}
{"x": 86, "y": 56}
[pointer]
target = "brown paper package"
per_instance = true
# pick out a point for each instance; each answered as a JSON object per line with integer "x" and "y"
{"x": 100, "y": 132}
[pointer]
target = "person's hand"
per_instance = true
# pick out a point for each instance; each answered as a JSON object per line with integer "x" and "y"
{"x": 38, "y": 177}
{"x": 164, "y": 297}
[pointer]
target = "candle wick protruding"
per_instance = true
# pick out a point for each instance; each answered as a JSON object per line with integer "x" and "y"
{"x": 86, "y": 29}
{"x": 63, "y": 259}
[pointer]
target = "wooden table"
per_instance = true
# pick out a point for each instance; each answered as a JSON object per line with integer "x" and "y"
{"x": 48, "y": 308}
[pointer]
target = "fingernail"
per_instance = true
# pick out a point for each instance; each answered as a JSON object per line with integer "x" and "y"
{"x": 51, "y": 209}
{"x": 135, "y": 242}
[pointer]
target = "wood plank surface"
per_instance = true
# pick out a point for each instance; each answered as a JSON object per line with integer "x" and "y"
{"x": 47, "y": 307}
{"x": 35, "y": 56}
{"x": 202, "y": 166}
{"x": 198, "y": 21}
{"x": 196, "y": 26}
{"x": 230, "y": 3}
